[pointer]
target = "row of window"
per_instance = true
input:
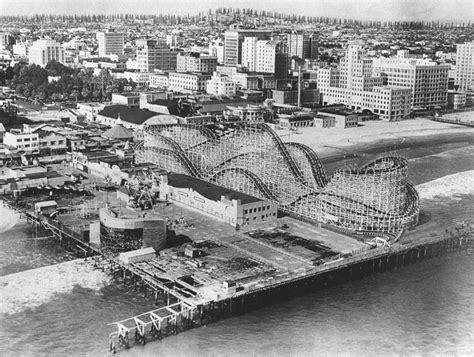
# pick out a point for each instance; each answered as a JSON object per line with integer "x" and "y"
{"x": 256, "y": 209}
{"x": 19, "y": 140}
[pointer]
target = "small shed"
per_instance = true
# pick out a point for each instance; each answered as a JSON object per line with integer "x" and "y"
{"x": 229, "y": 286}
{"x": 137, "y": 256}
{"x": 46, "y": 207}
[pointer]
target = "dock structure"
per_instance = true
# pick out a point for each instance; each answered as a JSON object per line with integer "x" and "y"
{"x": 153, "y": 324}
{"x": 232, "y": 272}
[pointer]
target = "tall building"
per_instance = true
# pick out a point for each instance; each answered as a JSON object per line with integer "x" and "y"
{"x": 194, "y": 82}
{"x": 155, "y": 54}
{"x": 220, "y": 84}
{"x": 427, "y": 80}
{"x": 110, "y": 42}
{"x": 6, "y": 41}
{"x": 233, "y": 40}
{"x": 354, "y": 85}
{"x": 195, "y": 62}
{"x": 354, "y": 64}
{"x": 216, "y": 49}
{"x": 302, "y": 45}
{"x": 465, "y": 67}
{"x": 43, "y": 51}
{"x": 265, "y": 56}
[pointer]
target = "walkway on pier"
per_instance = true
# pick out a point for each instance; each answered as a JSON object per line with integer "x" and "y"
{"x": 153, "y": 324}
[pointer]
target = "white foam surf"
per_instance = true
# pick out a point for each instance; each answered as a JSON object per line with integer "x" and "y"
{"x": 8, "y": 218}
{"x": 461, "y": 183}
{"x": 32, "y": 288}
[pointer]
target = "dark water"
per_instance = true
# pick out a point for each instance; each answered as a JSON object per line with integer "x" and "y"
{"x": 422, "y": 309}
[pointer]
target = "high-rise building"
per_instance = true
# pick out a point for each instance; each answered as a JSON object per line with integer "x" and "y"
{"x": 265, "y": 56}
{"x": 465, "y": 67}
{"x": 233, "y": 40}
{"x": 302, "y": 45}
{"x": 110, "y": 42}
{"x": 155, "y": 54}
{"x": 216, "y": 49}
{"x": 6, "y": 41}
{"x": 354, "y": 64}
{"x": 354, "y": 85}
{"x": 427, "y": 80}
{"x": 43, "y": 51}
{"x": 195, "y": 62}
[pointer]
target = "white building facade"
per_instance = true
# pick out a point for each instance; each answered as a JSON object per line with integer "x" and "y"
{"x": 43, "y": 51}
{"x": 110, "y": 42}
{"x": 195, "y": 82}
{"x": 465, "y": 67}
{"x": 22, "y": 140}
{"x": 354, "y": 85}
{"x": 427, "y": 80}
{"x": 220, "y": 84}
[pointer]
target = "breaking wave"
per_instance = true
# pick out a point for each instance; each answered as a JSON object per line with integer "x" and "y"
{"x": 8, "y": 218}
{"x": 32, "y": 288}
{"x": 461, "y": 183}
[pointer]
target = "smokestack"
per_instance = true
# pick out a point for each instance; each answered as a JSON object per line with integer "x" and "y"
{"x": 299, "y": 85}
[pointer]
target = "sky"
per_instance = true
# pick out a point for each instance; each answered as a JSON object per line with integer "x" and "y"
{"x": 446, "y": 10}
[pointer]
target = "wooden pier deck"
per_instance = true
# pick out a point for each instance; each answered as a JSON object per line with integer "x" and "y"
{"x": 193, "y": 295}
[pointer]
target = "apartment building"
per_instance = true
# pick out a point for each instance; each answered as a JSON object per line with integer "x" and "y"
{"x": 43, "y": 51}
{"x": 233, "y": 40}
{"x": 302, "y": 45}
{"x": 195, "y": 62}
{"x": 465, "y": 67}
{"x": 195, "y": 82}
{"x": 355, "y": 85}
{"x": 264, "y": 56}
{"x": 155, "y": 54}
{"x": 159, "y": 80}
{"x": 427, "y": 80}
{"x": 220, "y": 84}
{"x": 22, "y": 139}
{"x": 110, "y": 42}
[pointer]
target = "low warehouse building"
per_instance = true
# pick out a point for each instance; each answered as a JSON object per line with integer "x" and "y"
{"x": 232, "y": 207}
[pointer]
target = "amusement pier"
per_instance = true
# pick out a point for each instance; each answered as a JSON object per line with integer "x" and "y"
{"x": 212, "y": 222}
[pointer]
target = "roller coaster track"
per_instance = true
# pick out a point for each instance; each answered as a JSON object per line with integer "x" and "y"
{"x": 205, "y": 132}
{"x": 179, "y": 156}
{"x": 175, "y": 146}
{"x": 283, "y": 151}
{"x": 251, "y": 176}
{"x": 396, "y": 163}
{"x": 315, "y": 163}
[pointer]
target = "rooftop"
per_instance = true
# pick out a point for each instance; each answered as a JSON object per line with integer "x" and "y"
{"x": 208, "y": 190}
{"x": 129, "y": 115}
{"x": 118, "y": 132}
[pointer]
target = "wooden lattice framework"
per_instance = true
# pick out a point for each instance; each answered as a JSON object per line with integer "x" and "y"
{"x": 252, "y": 159}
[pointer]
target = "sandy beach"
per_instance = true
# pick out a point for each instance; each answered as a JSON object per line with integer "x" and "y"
{"x": 462, "y": 116}
{"x": 330, "y": 141}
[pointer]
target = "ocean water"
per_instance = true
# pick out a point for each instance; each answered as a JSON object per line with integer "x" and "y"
{"x": 55, "y": 305}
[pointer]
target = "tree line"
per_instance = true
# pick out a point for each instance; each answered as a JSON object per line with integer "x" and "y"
{"x": 31, "y": 81}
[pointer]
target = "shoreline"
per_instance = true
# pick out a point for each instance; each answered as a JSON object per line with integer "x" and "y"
{"x": 331, "y": 143}
{"x": 334, "y": 154}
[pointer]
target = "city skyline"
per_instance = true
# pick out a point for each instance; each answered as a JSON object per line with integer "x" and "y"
{"x": 393, "y": 10}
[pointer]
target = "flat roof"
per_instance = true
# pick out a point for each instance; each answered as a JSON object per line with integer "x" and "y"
{"x": 208, "y": 190}
{"x": 130, "y": 115}
{"x": 320, "y": 116}
{"x": 343, "y": 112}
